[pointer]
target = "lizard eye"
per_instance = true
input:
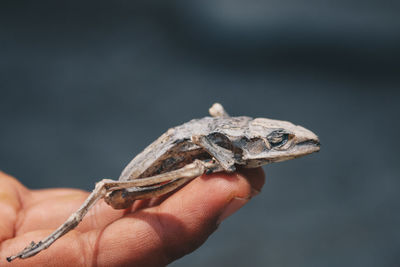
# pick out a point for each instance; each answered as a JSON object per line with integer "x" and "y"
{"x": 278, "y": 138}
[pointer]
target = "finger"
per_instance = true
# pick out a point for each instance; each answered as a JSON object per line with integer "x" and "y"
{"x": 12, "y": 194}
{"x": 255, "y": 176}
{"x": 158, "y": 235}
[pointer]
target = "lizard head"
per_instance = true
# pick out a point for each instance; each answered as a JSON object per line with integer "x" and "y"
{"x": 273, "y": 141}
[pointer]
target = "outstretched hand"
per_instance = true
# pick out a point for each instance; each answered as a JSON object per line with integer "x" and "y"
{"x": 153, "y": 232}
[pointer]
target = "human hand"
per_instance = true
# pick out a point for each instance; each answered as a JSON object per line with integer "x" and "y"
{"x": 153, "y": 232}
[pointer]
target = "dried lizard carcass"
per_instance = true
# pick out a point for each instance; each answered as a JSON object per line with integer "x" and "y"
{"x": 206, "y": 145}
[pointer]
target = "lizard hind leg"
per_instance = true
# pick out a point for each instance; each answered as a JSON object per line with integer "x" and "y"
{"x": 135, "y": 189}
{"x": 217, "y": 110}
{"x": 73, "y": 221}
{"x": 124, "y": 198}
{"x": 125, "y": 193}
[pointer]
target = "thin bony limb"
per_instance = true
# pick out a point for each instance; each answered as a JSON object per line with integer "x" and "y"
{"x": 123, "y": 194}
{"x": 34, "y": 248}
{"x": 139, "y": 189}
{"x": 224, "y": 156}
{"x": 217, "y": 110}
{"x": 191, "y": 170}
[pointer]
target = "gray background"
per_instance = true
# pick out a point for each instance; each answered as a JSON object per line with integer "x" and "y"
{"x": 86, "y": 86}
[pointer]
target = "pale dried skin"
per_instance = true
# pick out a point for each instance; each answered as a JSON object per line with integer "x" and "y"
{"x": 210, "y": 144}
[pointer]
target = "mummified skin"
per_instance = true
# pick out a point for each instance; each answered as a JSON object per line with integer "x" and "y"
{"x": 210, "y": 144}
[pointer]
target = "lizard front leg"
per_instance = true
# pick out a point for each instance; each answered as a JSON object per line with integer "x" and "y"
{"x": 224, "y": 156}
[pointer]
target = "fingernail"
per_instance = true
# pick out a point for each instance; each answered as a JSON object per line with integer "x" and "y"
{"x": 234, "y": 205}
{"x": 254, "y": 192}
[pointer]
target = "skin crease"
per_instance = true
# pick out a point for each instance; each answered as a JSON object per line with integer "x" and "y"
{"x": 158, "y": 232}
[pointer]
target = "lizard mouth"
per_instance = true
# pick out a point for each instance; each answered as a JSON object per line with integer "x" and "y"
{"x": 298, "y": 150}
{"x": 312, "y": 143}
{"x": 307, "y": 147}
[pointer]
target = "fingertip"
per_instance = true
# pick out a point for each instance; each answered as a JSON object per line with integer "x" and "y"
{"x": 202, "y": 204}
{"x": 255, "y": 176}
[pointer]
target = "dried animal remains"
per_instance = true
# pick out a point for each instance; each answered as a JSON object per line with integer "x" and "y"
{"x": 210, "y": 144}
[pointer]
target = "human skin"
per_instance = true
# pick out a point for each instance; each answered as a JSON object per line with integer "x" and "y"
{"x": 153, "y": 232}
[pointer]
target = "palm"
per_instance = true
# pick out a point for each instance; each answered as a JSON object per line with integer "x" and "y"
{"x": 158, "y": 232}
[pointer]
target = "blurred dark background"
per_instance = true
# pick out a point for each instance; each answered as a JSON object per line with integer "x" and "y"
{"x": 85, "y": 86}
